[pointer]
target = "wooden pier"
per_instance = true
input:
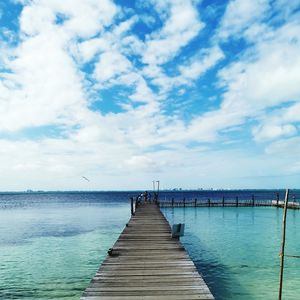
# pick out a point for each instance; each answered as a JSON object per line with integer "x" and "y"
{"x": 146, "y": 263}
{"x": 226, "y": 203}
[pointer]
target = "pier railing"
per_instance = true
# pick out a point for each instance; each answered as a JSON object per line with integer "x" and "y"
{"x": 142, "y": 198}
{"x": 227, "y": 202}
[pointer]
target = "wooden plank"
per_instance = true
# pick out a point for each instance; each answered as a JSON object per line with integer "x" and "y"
{"x": 147, "y": 264}
{"x": 156, "y": 297}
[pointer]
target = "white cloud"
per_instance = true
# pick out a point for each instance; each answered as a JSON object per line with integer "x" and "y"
{"x": 189, "y": 71}
{"x": 240, "y": 15}
{"x": 148, "y": 20}
{"x": 144, "y": 163}
{"x": 206, "y": 127}
{"x": 265, "y": 77}
{"x": 286, "y": 8}
{"x": 111, "y": 65}
{"x": 286, "y": 147}
{"x": 91, "y": 17}
{"x": 113, "y": 165}
{"x": 289, "y": 114}
{"x": 269, "y": 131}
{"x": 89, "y": 48}
{"x": 132, "y": 45}
{"x": 37, "y": 18}
{"x": 270, "y": 79}
{"x": 116, "y": 40}
{"x": 81, "y": 18}
{"x": 281, "y": 122}
{"x": 143, "y": 93}
{"x": 180, "y": 28}
{"x": 46, "y": 85}
{"x": 198, "y": 66}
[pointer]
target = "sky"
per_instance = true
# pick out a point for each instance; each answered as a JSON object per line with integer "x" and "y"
{"x": 196, "y": 94}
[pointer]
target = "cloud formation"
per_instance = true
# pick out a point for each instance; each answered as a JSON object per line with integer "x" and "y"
{"x": 151, "y": 90}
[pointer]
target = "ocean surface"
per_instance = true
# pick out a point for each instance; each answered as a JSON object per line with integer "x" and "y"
{"x": 51, "y": 244}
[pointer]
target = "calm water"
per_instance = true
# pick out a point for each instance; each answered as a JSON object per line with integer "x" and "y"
{"x": 236, "y": 249}
{"x": 51, "y": 244}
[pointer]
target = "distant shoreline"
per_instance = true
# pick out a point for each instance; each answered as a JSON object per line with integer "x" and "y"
{"x": 139, "y": 191}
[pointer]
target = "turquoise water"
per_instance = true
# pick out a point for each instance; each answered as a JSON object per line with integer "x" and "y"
{"x": 236, "y": 249}
{"x": 51, "y": 247}
{"x": 52, "y": 244}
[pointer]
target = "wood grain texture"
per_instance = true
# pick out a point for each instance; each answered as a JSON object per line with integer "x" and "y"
{"x": 147, "y": 264}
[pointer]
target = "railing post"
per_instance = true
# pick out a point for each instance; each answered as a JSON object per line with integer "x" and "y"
{"x": 223, "y": 201}
{"x": 236, "y": 201}
{"x": 208, "y": 202}
{"x": 252, "y": 200}
{"x": 132, "y": 208}
{"x": 283, "y": 243}
{"x": 172, "y": 202}
{"x": 195, "y": 202}
{"x": 183, "y": 202}
{"x": 277, "y": 198}
{"x": 155, "y": 197}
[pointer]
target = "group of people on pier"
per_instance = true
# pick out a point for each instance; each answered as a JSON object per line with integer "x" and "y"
{"x": 148, "y": 197}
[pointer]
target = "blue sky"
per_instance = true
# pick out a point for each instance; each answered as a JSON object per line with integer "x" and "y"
{"x": 196, "y": 94}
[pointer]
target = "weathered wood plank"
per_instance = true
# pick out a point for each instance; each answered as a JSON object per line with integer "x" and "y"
{"x": 147, "y": 264}
{"x": 156, "y": 297}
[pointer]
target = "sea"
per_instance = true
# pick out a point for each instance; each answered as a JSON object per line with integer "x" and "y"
{"x": 52, "y": 243}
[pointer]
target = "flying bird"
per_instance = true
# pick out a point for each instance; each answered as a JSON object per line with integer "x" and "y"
{"x": 85, "y": 178}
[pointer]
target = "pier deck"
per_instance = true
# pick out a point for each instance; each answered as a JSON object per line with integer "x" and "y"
{"x": 147, "y": 264}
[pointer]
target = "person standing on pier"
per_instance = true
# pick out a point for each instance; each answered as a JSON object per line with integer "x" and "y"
{"x": 146, "y": 196}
